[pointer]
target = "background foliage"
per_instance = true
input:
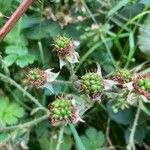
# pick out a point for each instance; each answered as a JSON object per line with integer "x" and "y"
{"x": 113, "y": 33}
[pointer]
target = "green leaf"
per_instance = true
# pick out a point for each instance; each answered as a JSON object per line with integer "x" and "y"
{"x": 3, "y": 136}
{"x": 4, "y": 5}
{"x": 10, "y": 119}
{"x": 10, "y": 59}
{"x": 4, "y": 102}
{"x": 22, "y": 62}
{"x": 15, "y": 37}
{"x": 10, "y": 112}
{"x": 80, "y": 145}
{"x": 144, "y": 108}
{"x": 97, "y": 138}
{"x": 143, "y": 39}
{"x": 123, "y": 116}
{"x": 139, "y": 134}
{"x": 15, "y": 49}
{"x": 19, "y": 55}
{"x": 117, "y": 7}
{"x": 16, "y": 110}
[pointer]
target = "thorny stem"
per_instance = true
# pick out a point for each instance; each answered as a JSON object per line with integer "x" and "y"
{"x": 17, "y": 99}
{"x": 9, "y": 80}
{"x": 60, "y": 138}
{"x": 25, "y": 125}
{"x": 63, "y": 82}
{"x": 14, "y": 18}
{"x": 107, "y": 134}
{"x": 131, "y": 144}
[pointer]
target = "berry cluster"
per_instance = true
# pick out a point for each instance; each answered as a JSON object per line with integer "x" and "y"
{"x": 36, "y": 77}
{"x": 91, "y": 84}
{"x": 122, "y": 76}
{"x": 62, "y": 46}
{"x": 60, "y": 109}
{"x": 142, "y": 85}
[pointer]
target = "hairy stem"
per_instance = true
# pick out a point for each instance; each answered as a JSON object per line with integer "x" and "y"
{"x": 107, "y": 134}
{"x": 11, "y": 81}
{"x": 25, "y": 125}
{"x": 14, "y": 18}
{"x": 131, "y": 144}
{"x": 60, "y": 138}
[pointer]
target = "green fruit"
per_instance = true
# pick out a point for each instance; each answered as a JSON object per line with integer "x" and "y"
{"x": 147, "y": 85}
{"x": 57, "y": 112}
{"x": 94, "y": 87}
{"x": 141, "y": 82}
{"x": 91, "y": 84}
{"x": 143, "y": 87}
{"x": 61, "y": 108}
{"x": 87, "y": 83}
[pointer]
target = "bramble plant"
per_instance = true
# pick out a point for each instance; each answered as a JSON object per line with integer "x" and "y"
{"x": 91, "y": 84}
{"x": 74, "y": 75}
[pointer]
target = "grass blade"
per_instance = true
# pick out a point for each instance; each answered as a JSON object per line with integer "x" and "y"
{"x": 117, "y": 7}
{"x": 78, "y": 141}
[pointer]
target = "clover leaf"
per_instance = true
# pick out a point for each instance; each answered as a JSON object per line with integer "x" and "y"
{"x": 93, "y": 139}
{"x": 18, "y": 55}
{"x": 10, "y": 112}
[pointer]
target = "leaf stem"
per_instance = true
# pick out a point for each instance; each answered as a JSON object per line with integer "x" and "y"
{"x": 89, "y": 12}
{"x": 14, "y": 18}
{"x": 131, "y": 144}
{"x": 78, "y": 141}
{"x": 60, "y": 137}
{"x": 11, "y": 81}
{"x": 25, "y": 125}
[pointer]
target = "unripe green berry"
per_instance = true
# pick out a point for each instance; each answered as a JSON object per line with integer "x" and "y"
{"x": 123, "y": 76}
{"x": 141, "y": 82}
{"x": 147, "y": 85}
{"x": 91, "y": 84}
{"x": 143, "y": 87}
{"x": 61, "y": 109}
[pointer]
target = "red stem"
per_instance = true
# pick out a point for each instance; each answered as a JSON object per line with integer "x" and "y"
{"x": 14, "y": 18}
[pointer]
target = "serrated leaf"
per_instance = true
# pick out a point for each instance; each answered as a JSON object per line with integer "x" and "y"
{"x": 10, "y": 112}
{"x": 3, "y": 136}
{"x": 4, "y": 102}
{"x": 15, "y": 37}
{"x": 10, "y": 59}
{"x": 16, "y": 110}
{"x": 97, "y": 138}
{"x": 30, "y": 59}
{"x": 23, "y": 61}
{"x": 15, "y": 49}
{"x": 10, "y": 119}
